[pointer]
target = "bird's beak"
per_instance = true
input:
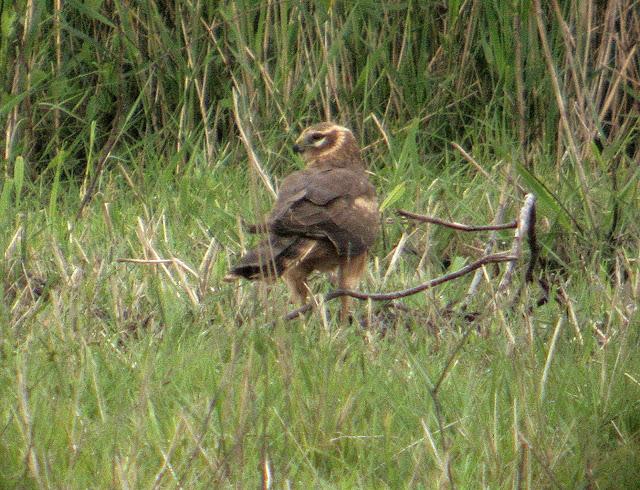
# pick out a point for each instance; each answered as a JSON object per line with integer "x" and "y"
{"x": 302, "y": 144}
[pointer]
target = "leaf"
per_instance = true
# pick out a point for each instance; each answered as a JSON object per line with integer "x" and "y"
{"x": 457, "y": 263}
{"x": 5, "y": 198}
{"x": 18, "y": 178}
{"x": 92, "y": 10}
{"x": 409, "y": 150}
{"x": 393, "y": 196}
{"x": 7, "y": 24}
{"x": 8, "y": 103}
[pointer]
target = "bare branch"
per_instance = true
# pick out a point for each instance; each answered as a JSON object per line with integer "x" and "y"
{"x": 526, "y": 223}
{"x": 456, "y": 226}
{"x": 406, "y": 292}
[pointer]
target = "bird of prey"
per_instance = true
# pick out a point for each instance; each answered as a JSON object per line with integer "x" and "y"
{"x": 325, "y": 218}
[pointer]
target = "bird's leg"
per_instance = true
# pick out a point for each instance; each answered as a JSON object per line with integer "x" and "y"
{"x": 349, "y": 275}
{"x": 295, "y": 280}
{"x": 333, "y": 278}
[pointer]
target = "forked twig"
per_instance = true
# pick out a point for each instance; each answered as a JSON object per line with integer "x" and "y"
{"x": 406, "y": 292}
{"x": 456, "y": 226}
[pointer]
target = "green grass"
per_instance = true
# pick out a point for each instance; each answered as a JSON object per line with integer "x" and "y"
{"x": 115, "y": 377}
{"x": 126, "y": 375}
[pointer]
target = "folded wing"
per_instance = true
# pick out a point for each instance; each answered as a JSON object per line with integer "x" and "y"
{"x": 337, "y": 204}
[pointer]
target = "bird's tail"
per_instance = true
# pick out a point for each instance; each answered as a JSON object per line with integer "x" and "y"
{"x": 268, "y": 260}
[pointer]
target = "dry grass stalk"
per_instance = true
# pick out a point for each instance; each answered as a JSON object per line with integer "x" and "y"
{"x": 246, "y": 141}
{"x": 27, "y": 426}
{"x": 564, "y": 119}
{"x": 491, "y": 243}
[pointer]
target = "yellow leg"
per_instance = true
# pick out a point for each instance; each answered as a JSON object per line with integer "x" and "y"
{"x": 349, "y": 275}
{"x": 295, "y": 280}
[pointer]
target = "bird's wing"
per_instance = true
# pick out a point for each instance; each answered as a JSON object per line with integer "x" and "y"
{"x": 338, "y": 204}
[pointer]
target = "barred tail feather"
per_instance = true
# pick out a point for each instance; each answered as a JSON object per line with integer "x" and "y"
{"x": 267, "y": 261}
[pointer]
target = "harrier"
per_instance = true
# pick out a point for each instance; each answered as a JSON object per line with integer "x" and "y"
{"x": 325, "y": 218}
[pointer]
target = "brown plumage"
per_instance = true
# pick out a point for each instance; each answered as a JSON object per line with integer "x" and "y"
{"x": 325, "y": 217}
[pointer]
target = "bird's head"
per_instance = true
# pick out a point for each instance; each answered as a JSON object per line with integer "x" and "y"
{"x": 327, "y": 142}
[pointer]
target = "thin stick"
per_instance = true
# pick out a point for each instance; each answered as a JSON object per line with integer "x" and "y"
{"x": 456, "y": 226}
{"x": 405, "y": 292}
